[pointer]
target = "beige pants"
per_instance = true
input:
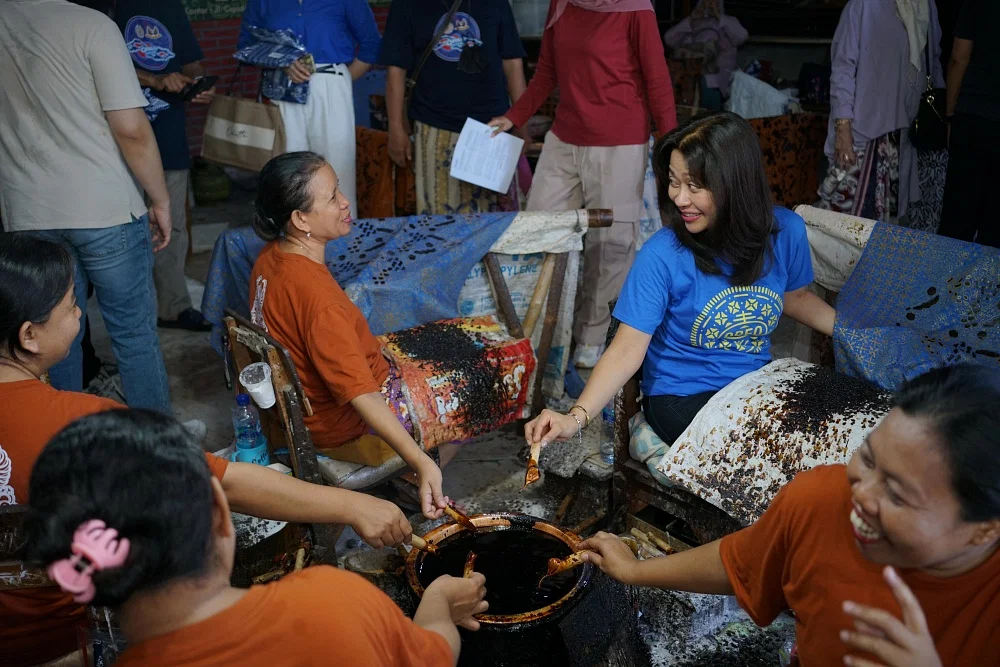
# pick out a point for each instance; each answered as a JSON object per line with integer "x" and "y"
{"x": 168, "y": 265}
{"x": 571, "y": 177}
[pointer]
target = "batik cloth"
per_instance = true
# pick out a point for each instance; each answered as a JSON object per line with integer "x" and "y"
{"x": 925, "y": 215}
{"x": 870, "y": 187}
{"x": 401, "y": 272}
{"x": 462, "y": 377}
{"x": 917, "y": 301}
{"x": 437, "y": 192}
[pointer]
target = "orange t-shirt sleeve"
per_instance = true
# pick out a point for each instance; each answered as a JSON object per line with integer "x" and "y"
{"x": 217, "y": 465}
{"x": 378, "y": 622}
{"x": 755, "y": 559}
{"x": 339, "y": 358}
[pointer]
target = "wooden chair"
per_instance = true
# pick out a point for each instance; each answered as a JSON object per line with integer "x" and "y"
{"x": 284, "y": 423}
{"x": 633, "y": 488}
{"x": 14, "y": 573}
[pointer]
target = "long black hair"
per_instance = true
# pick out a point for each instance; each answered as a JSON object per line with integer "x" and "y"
{"x": 723, "y": 155}
{"x": 140, "y": 473}
{"x": 961, "y": 403}
{"x": 34, "y": 277}
{"x": 283, "y": 188}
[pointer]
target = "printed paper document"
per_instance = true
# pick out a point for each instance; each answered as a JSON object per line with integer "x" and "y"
{"x": 484, "y": 160}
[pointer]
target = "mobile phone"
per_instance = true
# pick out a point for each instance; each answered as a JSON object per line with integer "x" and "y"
{"x": 200, "y": 85}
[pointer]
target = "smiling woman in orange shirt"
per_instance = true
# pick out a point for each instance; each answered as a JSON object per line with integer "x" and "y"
{"x": 891, "y": 560}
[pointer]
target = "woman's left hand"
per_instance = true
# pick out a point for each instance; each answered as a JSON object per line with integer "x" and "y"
{"x": 906, "y": 643}
{"x": 432, "y": 498}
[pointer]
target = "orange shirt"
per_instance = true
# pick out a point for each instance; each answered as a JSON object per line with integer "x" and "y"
{"x": 40, "y": 624}
{"x": 320, "y": 616}
{"x": 801, "y": 555}
{"x": 338, "y": 359}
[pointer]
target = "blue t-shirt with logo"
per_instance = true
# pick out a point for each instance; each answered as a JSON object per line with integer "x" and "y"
{"x": 444, "y": 97}
{"x": 706, "y": 332}
{"x": 160, "y": 40}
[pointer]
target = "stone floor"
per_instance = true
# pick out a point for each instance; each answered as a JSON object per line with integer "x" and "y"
{"x": 485, "y": 476}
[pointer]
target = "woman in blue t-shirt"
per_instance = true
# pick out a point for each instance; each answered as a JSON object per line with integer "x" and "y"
{"x": 705, "y": 293}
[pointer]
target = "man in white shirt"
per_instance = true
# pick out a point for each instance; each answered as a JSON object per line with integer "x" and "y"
{"x": 73, "y": 133}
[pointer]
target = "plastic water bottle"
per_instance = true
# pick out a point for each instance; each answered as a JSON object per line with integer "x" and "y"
{"x": 251, "y": 446}
{"x": 608, "y": 434}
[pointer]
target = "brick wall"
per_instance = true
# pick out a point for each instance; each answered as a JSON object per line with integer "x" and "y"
{"x": 218, "y": 42}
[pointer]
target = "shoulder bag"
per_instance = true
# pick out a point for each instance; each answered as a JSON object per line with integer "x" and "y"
{"x": 929, "y": 130}
{"x": 411, "y": 81}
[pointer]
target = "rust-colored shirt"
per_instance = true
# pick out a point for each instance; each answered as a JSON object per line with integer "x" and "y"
{"x": 338, "y": 359}
{"x": 801, "y": 555}
{"x": 40, "y": 624}
{"x": 320, "y": 616}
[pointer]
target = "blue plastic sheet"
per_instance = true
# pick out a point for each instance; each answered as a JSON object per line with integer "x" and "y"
{"x": 401, "y": 272}
{"x": 917, "y": 301}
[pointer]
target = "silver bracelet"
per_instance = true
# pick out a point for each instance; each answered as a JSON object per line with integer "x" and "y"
{"x": 579, "y": 427}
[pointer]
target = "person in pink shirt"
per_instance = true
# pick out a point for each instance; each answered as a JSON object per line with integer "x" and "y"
{"x": 607, "y": 60}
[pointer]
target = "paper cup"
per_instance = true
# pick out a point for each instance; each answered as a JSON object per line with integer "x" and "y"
{"x": 257, "y": 380}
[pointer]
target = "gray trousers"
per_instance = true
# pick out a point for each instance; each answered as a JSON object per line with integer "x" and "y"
{"x": 572, "y": 177}
{"x": 168, "y": 265}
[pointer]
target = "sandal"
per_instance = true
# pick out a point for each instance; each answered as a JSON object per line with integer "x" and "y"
{"x": 189, "y": 319}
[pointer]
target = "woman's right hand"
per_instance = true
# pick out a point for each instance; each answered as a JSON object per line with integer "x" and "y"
{"x": 549, "y": 426}
{"x": 465, "y": 597}
{"x": 298, "y": 72}
{"x": 843, "y": 147}
{"x": 500, "y": 124}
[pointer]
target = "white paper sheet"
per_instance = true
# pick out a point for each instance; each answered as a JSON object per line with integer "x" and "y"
{"x": 483, "y": 160}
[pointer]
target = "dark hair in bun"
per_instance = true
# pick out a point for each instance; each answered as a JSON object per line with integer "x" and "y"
{"x": 140, "y": 473}
{"x": 283, "y": 188}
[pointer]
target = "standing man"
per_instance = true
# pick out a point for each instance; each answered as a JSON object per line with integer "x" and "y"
{"x": 343, "y": 40}
{"x": 72, "y": 127}
{"x": 973, "y": 111}
{"x": 474, "y": 70}
{"x": 166, "y": 54}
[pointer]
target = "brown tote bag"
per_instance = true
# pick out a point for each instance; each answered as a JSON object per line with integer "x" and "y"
{"x": 242, "y": 132}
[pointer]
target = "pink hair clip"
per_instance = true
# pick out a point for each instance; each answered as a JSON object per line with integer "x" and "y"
{"x": 95, "y": 547}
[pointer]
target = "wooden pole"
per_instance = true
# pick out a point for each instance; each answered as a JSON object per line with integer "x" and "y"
{"x": 502, "y": 296}
{"x": 538, "y": 296}
{"x": 549, "y": 327}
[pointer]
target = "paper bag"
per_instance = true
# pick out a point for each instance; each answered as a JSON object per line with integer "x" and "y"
{"x": 243, "y": 133}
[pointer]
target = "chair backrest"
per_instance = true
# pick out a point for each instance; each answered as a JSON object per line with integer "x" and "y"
{"x": 284, "y": 422}
{"x": 14, "y": 573}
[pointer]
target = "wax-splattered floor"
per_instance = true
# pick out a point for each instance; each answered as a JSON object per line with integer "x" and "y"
{"x": 678, "y": 630}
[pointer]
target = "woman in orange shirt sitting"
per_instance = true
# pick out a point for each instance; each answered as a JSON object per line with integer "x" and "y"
{"x": 891, "y": 560}
{"x": 299, "y": 209}
{"x": 38, "y": 322}
{"x": 125, "y": 513}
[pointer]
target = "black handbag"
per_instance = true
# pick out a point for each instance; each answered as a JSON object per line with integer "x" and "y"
{"x": 929, "y": 130}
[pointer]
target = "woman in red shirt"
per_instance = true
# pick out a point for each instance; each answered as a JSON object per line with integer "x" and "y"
{"x": 891, "y": 560}
{"x": 607, "y": 60}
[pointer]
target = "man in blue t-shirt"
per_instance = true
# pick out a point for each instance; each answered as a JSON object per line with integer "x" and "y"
{"x": 166, "y": 55}
{"x": 475, "y": 70}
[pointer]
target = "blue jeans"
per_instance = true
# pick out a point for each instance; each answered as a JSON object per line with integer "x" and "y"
{"x": 118, "y": 261}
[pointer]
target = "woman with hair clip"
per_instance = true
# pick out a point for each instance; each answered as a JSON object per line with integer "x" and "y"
{"x": 125, "y": 513}
{"x": 705, "y": 293}
{"x": 38, "y": 322}
{"x": 347, "y": 379}
{"x": 891, "y": 560}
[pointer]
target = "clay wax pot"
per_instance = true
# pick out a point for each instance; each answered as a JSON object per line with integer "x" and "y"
{"x": 524, "y": 623}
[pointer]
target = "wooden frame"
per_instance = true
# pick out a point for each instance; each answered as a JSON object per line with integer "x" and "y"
{"x": 285, "y": 421}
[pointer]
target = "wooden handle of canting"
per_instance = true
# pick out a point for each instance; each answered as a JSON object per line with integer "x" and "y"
{"x": 418, "y": 542}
